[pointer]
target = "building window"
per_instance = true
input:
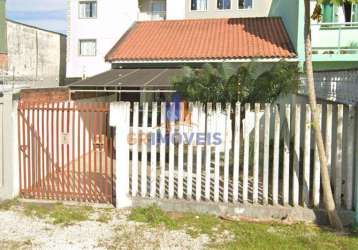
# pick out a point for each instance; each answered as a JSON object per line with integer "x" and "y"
{"x": 245, "y": 4}
{"x": 329, "y": 13}
{"x": 350, "y": 12}
{"x": 224, "y": 4}
{"x": 88, "y": 9}
{"x": 158, "y": 7}
{"x": 355, "y": 12}
{"x": 88, "y": 47}
{"x": 199, "y": 5}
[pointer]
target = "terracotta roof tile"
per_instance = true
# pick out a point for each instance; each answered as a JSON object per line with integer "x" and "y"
{"x": 204, "y": 39}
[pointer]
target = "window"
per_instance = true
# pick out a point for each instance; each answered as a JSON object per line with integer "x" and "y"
{"x": 158, "y": 7}
{"x": 88, "y": 9}
{"x": 88, "y": 47}
{"x": 355, "y": 12}
{"x": 224, "y": 4}
{"x": 329, "y": 13}
{"x": 245, "y": 4}
{"x": 199, "y": 4}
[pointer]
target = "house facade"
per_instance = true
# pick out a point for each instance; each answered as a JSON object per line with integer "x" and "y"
{"x": 94, "y": 28}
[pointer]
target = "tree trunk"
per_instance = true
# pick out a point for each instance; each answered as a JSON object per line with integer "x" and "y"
{"x": 326, "y": 185}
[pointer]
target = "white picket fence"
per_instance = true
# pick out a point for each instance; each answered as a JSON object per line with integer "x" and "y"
{"x": 266, "y": 155}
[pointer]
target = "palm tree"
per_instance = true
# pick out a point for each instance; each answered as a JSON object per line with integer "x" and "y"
{"x": 326, "y": 185}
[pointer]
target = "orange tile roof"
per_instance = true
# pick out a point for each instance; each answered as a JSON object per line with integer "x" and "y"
{"x": 204, "y": 39}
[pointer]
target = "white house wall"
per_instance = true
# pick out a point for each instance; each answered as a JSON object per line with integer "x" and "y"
{"x": 114, "y": 18}
{"x": 175, "y": 9}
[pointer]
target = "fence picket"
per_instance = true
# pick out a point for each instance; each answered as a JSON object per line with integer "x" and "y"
{"x": 208, "y": 153}
{"x": 162, "y": 150}
{"x": 286, "y": 155}
{"x": 190, "y": 159}
{"x": 227, "y": 152}
{"x": 276, "y": 156}
{"x": 245, "y": 184}
{"x": 153, "y": 152}
{"x": 181, "y": 152}
{"x": 329, "y": 139}
{"x": 317, "y": 166}
{"x": 296, "y": 158}
{"x": 144, "y": 151}
{"x": 266, "y": 153}
{"x": 338, "y": 165}
{"x": 171, "y": 150}
{"x": 236, "y": 173}
{"x": 350, "y": 158}
{"x": 307, "y": 159}
{"x": 199, "y": 154}
{"x": 217, "y": 156}
{"x": 135, "y": 150}
{"x": 256, "y": 154}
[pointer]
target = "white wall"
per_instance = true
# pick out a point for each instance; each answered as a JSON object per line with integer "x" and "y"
{"x": 114, "y": 18}
{"x": 175, "y": 9}
{"x": 35, "y": 56}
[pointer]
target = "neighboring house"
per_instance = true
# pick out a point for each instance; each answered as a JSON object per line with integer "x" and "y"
{"x": 30, "y": 56}
{"x": 94, "y": 26}
{"x": 36, "y": 57}
{"x": 335, "y": 38}
{"x": 153, "y": 52}
{"x": 335, "y": 52}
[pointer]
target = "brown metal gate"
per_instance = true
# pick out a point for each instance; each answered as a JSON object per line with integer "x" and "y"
{"x": 66, "y": 151}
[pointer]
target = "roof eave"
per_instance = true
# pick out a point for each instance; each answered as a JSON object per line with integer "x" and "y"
{"x": 233, "y": 60}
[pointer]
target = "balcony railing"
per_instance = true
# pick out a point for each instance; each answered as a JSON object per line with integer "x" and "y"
{"x": 335, "y": 38}
{"x": 152, "y": 15}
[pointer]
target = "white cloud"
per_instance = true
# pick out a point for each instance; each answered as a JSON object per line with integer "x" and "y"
{"x": 35, "y": 5}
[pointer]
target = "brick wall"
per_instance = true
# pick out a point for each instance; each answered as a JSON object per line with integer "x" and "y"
{"x": 39, "y": 96}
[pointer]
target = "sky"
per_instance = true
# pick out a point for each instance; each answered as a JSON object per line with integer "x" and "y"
{"x": 46, "y": 14}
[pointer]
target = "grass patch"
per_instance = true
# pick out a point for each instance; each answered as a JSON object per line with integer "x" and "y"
{"x": 14, "y": 245}
{"x": 8, "y": 204}
{"x": 248, "y": 235}
{"x": 58, "y": 213}
{"x": 104, "y": 218}
{"x": 152, "y": 215}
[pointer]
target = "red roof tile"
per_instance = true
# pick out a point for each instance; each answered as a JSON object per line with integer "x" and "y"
{"x": 204, "y": 39}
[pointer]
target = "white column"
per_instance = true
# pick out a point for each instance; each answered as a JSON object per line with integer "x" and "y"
{"x": 120, "y": 118}
{"x": 9, "y": 154}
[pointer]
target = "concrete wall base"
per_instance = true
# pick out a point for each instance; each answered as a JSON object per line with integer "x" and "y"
{"x": 269, "y": 212}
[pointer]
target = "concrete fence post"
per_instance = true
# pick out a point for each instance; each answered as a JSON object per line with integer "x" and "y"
{"x": 120, "y": 119}
{"x": 9, "y": 153}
